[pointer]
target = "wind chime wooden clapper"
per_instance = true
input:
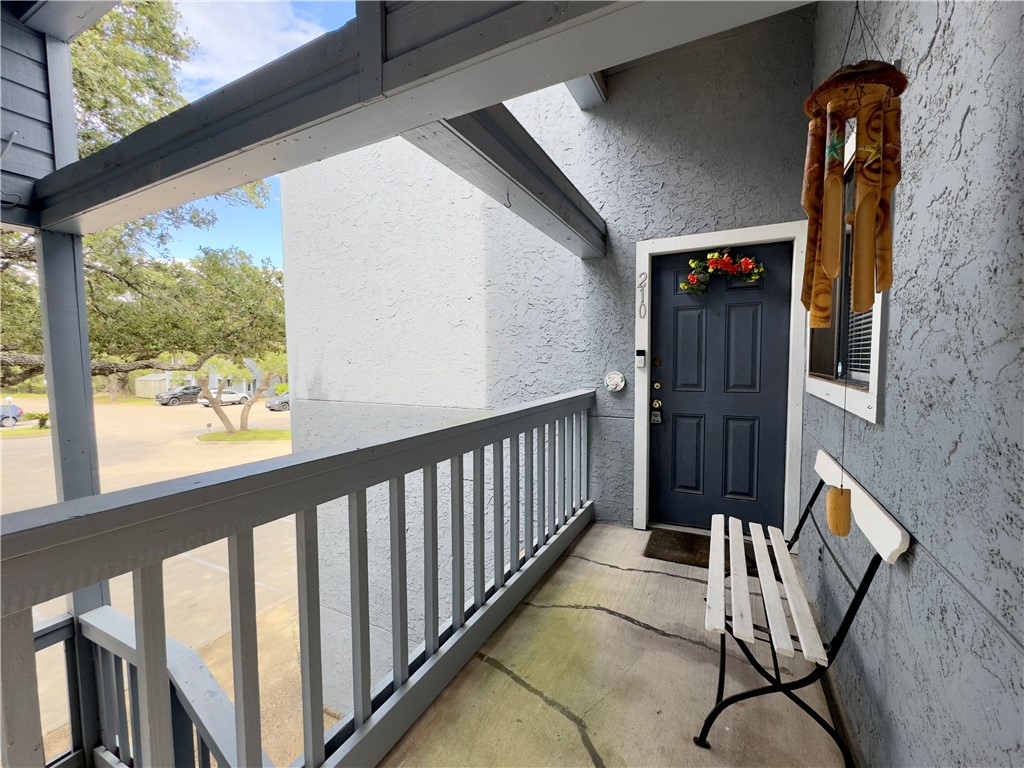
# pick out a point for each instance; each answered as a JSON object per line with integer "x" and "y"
{"x": 867, "y": 92}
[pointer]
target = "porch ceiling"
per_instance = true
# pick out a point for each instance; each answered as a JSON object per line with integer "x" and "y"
{"x": 344, "y": 90}
{"x": 607, "y": 663}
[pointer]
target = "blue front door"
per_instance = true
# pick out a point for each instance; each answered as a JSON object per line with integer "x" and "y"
{"x": 720, "y": 362}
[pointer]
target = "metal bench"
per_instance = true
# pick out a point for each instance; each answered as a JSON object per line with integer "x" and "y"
{"x": 890, "y": 541}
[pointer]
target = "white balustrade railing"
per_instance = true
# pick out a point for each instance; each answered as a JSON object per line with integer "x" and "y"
{"x": 52, "y": 551}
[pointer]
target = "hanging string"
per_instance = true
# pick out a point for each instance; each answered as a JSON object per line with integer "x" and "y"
{"x": 846, "y": 392}
{"x": 864, "y": 29}
{"x": 849, "y": 35}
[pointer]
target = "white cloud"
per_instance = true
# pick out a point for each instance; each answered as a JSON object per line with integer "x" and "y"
{"x": 236, "y": 37}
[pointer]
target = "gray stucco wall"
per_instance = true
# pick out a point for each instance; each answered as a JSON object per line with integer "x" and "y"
{"x": 408, "y": 286}
{"x": 934, "y": 672}
{"x": 413, "y": 297}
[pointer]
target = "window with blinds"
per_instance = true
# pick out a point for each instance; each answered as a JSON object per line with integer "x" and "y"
{"x": 845, "y": 362}
{"x": 843, "y": 352}
{"x": 858, "y": 345}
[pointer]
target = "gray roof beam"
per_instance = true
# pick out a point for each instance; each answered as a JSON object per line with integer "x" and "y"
{"x": 588, "y": 91}
{"x": 314, "y": 102}
{"x": 64, "y": 20}
{"x": 490, "y": 149}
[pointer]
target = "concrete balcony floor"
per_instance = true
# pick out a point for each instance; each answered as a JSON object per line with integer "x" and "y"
{"x": 607, "y": 663}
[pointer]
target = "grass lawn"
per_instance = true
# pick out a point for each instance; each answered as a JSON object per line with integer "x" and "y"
{"x": 247, "y": 436}
{"x": 14, "y": 434}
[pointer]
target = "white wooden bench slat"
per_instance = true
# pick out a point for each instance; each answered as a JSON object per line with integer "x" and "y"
{"x": 777, "y": 623}
{"x": 714, "y": 616}
{"x": 742, "y": 616}
{"x": 888, "y": 537}
{"x": 806, "y": 630}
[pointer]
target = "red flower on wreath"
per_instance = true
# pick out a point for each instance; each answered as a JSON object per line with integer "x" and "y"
{"x": 739, "y": 267}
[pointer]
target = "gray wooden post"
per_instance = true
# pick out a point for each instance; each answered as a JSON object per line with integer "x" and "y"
{"x": 59, "y": 260}
{"x": 69, "y": 391}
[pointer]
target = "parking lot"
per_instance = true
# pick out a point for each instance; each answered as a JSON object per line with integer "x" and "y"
{"x": 139, "y": 443}
{"x": 142, "y": 443}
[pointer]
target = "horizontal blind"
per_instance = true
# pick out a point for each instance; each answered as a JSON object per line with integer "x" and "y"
{"x": 858, "y": 345}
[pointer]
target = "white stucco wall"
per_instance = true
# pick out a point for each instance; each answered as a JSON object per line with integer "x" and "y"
{"x": 385, "y": 288}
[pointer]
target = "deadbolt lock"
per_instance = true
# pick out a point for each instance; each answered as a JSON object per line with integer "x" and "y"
{"x": 657, "y": 385}
{"x": 656, "y": 404}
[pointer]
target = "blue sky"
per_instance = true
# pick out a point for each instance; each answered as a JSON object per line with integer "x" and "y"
{"x": 233, "y": 38}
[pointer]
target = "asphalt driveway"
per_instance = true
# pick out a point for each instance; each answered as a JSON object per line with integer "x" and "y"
{"x": 138, "y": 443}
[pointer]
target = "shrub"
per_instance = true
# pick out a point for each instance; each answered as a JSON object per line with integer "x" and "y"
{"x": 43, "y": 419}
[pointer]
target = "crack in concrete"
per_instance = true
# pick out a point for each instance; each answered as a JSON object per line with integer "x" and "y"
{"x": 644, "y": 570}
{"x": 695, "y": 579}
{"x": 563, "y": 710}
{"x": 624, "y": 617}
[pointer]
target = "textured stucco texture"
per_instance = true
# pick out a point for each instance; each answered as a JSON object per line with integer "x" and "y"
{"x": 414, "y": 298}
{"x": 408, "y": 286}
{"x": 933, "y": 674}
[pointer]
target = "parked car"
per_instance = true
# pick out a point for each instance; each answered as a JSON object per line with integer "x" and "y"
{"x": 187, "y": 393}
{"x": 280, "y": 403}
{"x": 9, "y": 415}
{"x": 227, "y": 397}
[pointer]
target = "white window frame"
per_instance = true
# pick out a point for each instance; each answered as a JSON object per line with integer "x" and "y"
{"x": 865, "y": 403}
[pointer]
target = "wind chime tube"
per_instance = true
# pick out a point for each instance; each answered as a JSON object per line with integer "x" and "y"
{"x": 837, "y": 509}
{"x": 832, "y": 194}
{"x": 868, "y": 172}
{"x": 821, "y": 297}
{"x": 829, "y": 255}
{"x": 811, "y": 202}
{"x": 892, "y": 171}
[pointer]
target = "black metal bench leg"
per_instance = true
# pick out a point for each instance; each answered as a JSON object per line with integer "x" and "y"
{"x": 721, "y": 671}
{"x": 775, "y": 686}
{"x": 826, "y": 726}
{"x": 701, "y": 741}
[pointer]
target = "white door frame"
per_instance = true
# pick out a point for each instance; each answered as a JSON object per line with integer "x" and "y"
{"x": 646, "y": 252}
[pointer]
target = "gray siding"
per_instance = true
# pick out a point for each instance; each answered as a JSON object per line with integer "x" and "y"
{"x": 26, "y": 109}
{"x": 934, "y": 674}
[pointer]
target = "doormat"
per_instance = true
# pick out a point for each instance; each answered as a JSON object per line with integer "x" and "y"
{"x": 689, "y": 549}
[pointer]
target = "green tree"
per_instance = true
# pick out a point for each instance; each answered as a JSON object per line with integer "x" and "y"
{"x": 225, "y": 370}
{"x": 123, "y": 71}
{"x": 270, "y": 366}
{"x": 236, "y": 310}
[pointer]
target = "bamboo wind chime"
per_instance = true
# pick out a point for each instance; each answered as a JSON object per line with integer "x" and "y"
{"x": 869, "y": 93}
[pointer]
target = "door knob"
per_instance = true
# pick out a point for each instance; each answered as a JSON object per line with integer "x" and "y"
{"x": 656, "y": 404}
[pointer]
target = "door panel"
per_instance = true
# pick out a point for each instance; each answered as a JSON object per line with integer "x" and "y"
{"x": 743, "y": 348}
{"x": 739, "y": 479}
{"x": 689, "y": 358}
{"x": 688, "y": 453}
{"x": 722, "y": 359}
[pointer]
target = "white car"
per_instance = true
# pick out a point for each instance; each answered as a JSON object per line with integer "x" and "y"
{"x": 227, "y": 397}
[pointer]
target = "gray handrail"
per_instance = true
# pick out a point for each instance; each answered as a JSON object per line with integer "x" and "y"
{"x": 53, "y": 550}
{"x": 204, "y": 701}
